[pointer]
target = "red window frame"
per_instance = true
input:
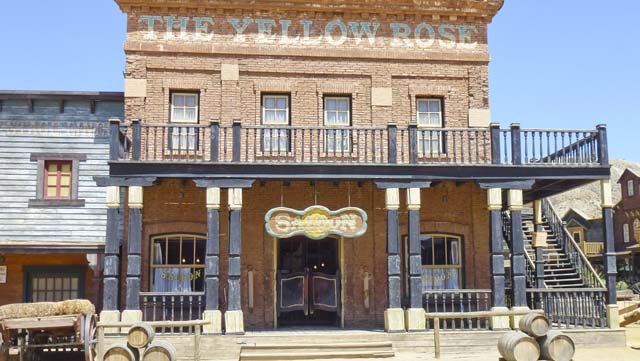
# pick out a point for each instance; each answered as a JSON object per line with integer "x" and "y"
{"x": 58, "y": 175}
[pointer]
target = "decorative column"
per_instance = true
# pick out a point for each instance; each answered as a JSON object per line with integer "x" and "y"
{"x": 414, "y": 317}
{"x": 518, "y": 262}
{"x": 394, "y": 314}
{"x": 132, "y": 312}
{"x": 110, "y": 292}
{"x": 234, "y": 323}
{"x": 494, "y": 200}
{"x": 608, "y": 254}
{"x": 212, "y": 264}
{"x": 539, "y": 242}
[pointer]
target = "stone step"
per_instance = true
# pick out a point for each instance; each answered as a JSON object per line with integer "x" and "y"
{"x": 317, "y": 351}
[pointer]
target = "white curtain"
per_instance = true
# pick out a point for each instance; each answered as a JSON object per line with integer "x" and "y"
{"x": 440, "y": 279}
{"x": 170, "y": 279}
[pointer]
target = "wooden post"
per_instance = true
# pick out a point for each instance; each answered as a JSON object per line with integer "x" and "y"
{"x": 518, "y": 261}
{"x": 394, "y": 315}
{"x": 212, "y": 257}
{"x": 196, "y": 343}
{"x": 237, "y": 141}
{"x": 393, "y": 143}
{"x": 134, "y": 260}
{"x": 415, "y": 320}
{"x": 436, "y": 336}
{"x": 233, "y": 316}
{"x": 603, "y": 146}
{"x": 137, "y": 139}
{"x": 114, "y": 139}
{"x": 111, "y": 251}
{"x": 413, "y": 143}
{"x": 497, "y": 255}
{"x": 516, "y": 149}
{"x": 539, "y": 227}
{"x": 215, "y": 140}
{"x": 495, "y": 143}
{"x": 608, "y": 253}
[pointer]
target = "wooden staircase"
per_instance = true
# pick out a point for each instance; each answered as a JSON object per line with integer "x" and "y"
{"x": 316, "y": 351}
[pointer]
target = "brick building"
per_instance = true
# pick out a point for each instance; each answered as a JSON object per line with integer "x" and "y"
{"x": 331, "y": 164}
{"x": 627, "y": 226}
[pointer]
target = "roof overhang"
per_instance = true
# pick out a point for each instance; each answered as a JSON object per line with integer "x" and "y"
{"x": 47, "y": 247}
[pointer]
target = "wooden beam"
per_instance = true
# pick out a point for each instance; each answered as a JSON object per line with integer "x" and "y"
{"x": 92, "y": 105}
{"x": 61, "y": 105}
{"x": 30, "y": 105}
{"x": 224, "y": 183}
{"x": 125, "y": 181}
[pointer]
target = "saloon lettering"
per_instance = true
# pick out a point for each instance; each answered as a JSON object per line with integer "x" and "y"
{"x": 307, "y": 32}
{"x": 316, "y": 222}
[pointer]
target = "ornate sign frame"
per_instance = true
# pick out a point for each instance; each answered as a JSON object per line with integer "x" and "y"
{"x": 316, "y": 222}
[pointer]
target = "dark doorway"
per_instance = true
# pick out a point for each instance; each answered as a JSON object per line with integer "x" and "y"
{"x": 308, "y": 282}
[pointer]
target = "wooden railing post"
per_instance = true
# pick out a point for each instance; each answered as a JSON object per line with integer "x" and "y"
{"x": 603, "y": 146}
{"x": 137, "y": 138}
{"x": 393, "y": 143}
{"x": 237, "y": 135}
{"x": 114, "y": 142}
{"x": 516, "y": 151}
{"x": 495, "y": 143}
{"x": 413, "y": 143}
{"x": 214, "y": 140}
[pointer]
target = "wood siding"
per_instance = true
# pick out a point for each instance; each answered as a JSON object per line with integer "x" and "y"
{"x": 46, "y": 130}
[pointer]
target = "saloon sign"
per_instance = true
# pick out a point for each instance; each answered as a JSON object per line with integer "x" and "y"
{"x": 316, "y": 222}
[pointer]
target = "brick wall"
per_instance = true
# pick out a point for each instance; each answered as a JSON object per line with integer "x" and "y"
{"x": 446, "y": 208}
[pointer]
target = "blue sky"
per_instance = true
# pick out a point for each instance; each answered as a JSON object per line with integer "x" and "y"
{"x": 559, "y": 64}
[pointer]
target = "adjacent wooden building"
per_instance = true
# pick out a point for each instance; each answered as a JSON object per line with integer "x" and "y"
{"x": 52, "y": 214}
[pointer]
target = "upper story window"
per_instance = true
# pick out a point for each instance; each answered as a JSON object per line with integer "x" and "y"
{"x": 625, "y": 233}
{"x": 577, "y": 236}
{"x": 57, "y": 179}
{"x": 337, "y": 113}
{"x": 53, "y": 284}
{"x": 275, "y": 112}
{"x": 184, "y": 110}
{"x": 630, "y": 188}
{"x": 429, "y": 116}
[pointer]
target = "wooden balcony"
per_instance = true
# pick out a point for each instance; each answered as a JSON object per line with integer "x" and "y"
{"x": 391, "y": 145}
{"x": 592, "y": 249}
{"x": 556, "y": 160}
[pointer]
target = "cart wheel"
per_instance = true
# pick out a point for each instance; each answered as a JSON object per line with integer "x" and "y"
{"x": 89, "y": 337}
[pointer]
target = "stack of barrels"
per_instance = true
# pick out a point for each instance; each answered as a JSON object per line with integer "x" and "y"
{"x": 536, "y": 341}
{"x": 140, "y": 346}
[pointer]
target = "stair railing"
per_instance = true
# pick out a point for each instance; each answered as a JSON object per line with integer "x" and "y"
{"x": 530, "y": 270}
{"x": 571, "y": 247}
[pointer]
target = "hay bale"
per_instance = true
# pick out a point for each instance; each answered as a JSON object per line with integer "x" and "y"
{"x": 45, "y": 309}
{"x": 24, "y": 310}
{"x": 73, "y": 307}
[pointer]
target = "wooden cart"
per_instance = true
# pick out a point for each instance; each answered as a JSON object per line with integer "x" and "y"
{"x": 65, "y": 337}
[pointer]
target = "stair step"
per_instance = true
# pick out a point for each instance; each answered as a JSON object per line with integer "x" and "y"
{"x": 351, "y": 345}
{"x": 315, "y": 355}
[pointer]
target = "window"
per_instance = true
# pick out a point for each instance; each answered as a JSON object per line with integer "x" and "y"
{"x": 625, "y": 232}
{"x": 577, "y": 237}
{"x": 178, "y": 263}
{"x": 53, "y": 284}
{"x": 275, "y": 112}
{"x": 429, "y": 116}
{"x": 337, "y": 114}
{"x": 636, "y": 229}
{"x": 57, "y": 180}
{"x": 184, "y": 110}
{"x": 630, "y": 188}
{"x": 441, "y": 262}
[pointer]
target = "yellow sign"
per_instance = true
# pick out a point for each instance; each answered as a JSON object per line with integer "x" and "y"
{"x": 316, "y": 222}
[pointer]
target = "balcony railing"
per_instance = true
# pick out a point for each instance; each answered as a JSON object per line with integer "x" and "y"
{"x": 177, "y": 306}
{"x": 461, "y": 300}
{"x": 571, "y": 307}
{"x": 411, "y": 145}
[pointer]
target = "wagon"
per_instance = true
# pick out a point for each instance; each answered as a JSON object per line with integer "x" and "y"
{"x": 51, "y": 337}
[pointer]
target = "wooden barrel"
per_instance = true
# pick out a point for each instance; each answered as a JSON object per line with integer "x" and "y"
{"x": 120, "y": 352}
{"x": 535, "y": 325}
{"x": 556, "y": 346}
{"x": 518, "y": 346}
{"x": 160, "y": 351}
{"x": 140, "y": 335}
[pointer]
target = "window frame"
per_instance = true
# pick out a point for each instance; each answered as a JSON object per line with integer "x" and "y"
{"x": 59, "y": 174}
{"x": 626, "y": 233}
{"x": 172, "y": 106}
{"x": 269, "y": 128}
{"x": 440, "y": 138}
{"x": 41, "y": 160}
{"x": 461, "y": 256}
{"x": 334, "y": 127}
{"x": 30, "y": 271}
{"x": 263, "y": 109}
{"x": 631, "y": 188}
{"x": 200, "y": 266}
